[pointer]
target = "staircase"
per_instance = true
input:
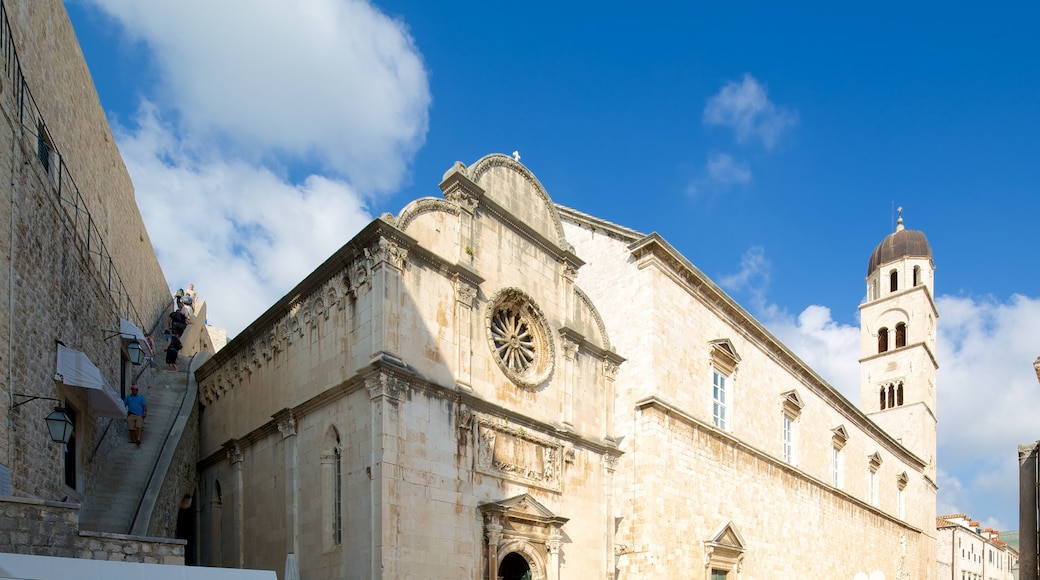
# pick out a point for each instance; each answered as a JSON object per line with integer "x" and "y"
{"x": 127, "y": 469}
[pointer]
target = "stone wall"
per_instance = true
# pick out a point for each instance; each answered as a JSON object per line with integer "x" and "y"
{"x": 52, "y": 288}
{"x": 47, "y": 528}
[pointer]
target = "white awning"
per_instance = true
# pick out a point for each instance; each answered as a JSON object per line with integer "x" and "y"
{"x": 76, "y": 370}
{"x": 129, "y": 330}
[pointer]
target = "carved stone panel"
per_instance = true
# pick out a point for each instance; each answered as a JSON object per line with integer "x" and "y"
{"x": 511, "y": 453}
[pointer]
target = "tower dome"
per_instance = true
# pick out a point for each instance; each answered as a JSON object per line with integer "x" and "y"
{"x": 899, "y": 244}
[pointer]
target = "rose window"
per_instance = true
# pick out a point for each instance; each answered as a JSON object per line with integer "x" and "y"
{"x": 514, "y": 344}
{"x": 519, "y": 338}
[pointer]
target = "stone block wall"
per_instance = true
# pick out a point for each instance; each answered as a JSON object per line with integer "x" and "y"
{"x": 47, "y": 528}
{"x": 53, "y": 288}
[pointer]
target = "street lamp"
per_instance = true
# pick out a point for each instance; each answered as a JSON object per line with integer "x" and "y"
{"x": 60, "y": 426}
{"x": 58, "y": 423}
{"x": 134, "y": 351}
{"x": 133, "y": 346}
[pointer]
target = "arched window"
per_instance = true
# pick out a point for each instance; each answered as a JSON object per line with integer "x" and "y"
{"x": 882, "y": 398}
{"x": 891, "y": 396}
{"x": 917, "y": 275}
{"x": 882, "y": 340}
{"x": 893, "y": 281}
{"x": 899, "y": 395}
{"x": 900, "y": 334}
{"x": 332, "y": 474}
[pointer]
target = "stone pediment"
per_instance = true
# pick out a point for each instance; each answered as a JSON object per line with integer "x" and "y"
{"x": 522, "y": 507}
{"x": 724, "y": 355}
{"x": 727, "y": 536}
{"x": 792, "y": 402}
{"x": 840, "y": 436}
{"x": 724, "y": 550}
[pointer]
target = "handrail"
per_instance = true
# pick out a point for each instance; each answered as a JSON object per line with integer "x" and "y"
{"x": 146, "y": 503}
{"x": 69, "y": 198}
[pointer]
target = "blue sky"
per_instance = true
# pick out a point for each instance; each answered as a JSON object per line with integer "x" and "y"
{"x": 769, "y": 143}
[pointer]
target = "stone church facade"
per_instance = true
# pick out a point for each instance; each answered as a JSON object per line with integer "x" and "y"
{"x": 489, "y": 385}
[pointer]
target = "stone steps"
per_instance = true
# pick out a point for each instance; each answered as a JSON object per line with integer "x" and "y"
{"x": 124, "y": 476}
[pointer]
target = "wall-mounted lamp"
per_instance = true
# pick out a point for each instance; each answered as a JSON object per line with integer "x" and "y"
{"x": 58, "y": 423}
{"x": 133, "y": 347}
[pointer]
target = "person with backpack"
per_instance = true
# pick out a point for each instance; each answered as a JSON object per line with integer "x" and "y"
{"x": 178, "y": 322}
{"x": 173, "y": 347}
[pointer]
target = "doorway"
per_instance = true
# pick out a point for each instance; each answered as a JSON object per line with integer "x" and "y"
{"x": 514, "y": 567}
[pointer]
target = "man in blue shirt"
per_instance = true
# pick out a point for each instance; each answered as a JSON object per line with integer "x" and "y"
{"x": 136, "y": 411}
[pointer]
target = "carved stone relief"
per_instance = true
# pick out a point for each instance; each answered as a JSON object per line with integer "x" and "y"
{"x": 518, "y": 455}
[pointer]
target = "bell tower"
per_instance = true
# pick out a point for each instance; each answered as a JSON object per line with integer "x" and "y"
{"x": 897, "y": 342}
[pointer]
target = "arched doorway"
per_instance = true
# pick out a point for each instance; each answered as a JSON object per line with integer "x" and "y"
{"x": 514, "y": 567}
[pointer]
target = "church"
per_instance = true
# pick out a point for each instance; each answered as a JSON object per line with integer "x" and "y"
{"x": 489, "y": 385}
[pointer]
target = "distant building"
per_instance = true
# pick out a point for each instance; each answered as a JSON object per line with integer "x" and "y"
{"x": 967, "y": 552}
{"x": 489, "y": 385}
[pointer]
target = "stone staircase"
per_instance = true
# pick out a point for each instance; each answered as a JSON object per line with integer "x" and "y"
{"x": 124, "y": 478}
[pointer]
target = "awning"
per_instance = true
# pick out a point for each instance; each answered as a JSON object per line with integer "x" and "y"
{"x": 76, "y": 370}
{"x": 129, "y": 330}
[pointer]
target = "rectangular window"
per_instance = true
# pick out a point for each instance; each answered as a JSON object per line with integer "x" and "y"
{"x": 901, "y": 506}
{"x": 721, "y": 400}
{"x": 718, "y": 575}
{"x": 836, "y": 470}
{"x": 788, "y": 439}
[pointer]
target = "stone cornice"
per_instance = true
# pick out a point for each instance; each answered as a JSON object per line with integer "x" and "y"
{"x": 353, "y": 250}
{"x": 411, "y": 381}
{"x": 654, "y": 251}
{"x": 477, "y": 170}
{"x": 927, "y": 350}
{"x": 921, "y": 288}
{"x": 566, "y": 254}
{"x": 659, "y": 405}
{"x": 614, "y": 230}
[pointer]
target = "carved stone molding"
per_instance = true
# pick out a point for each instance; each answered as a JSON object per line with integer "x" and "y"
{"x": 515, "y": 454}
{"x": 383, "y": 385}
{"x": 610, "y": 369}
{"x": 386, "y": 251}
{"x": 286, "y": 423}
{"x": 465, "y": 292}
{"x": 519, "y": 338}
{"x": 234, "y": 454}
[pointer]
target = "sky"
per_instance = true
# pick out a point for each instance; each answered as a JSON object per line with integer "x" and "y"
{"x": 771, "y": 144}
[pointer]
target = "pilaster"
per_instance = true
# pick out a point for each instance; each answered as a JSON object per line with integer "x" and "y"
{"x": 385, "y": 392}
{"x": 287, "y": 427}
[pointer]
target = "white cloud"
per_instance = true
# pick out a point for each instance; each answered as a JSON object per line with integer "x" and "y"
{"x": 334, "y": 83}
{"x": 330, "y": 92}
{"x": 987, "y": 387}
{"x": 242, "y": 234}
{"x": 722, "y": 168}
{"x": 745, "y": 107}
{"x": 720, "y": 173}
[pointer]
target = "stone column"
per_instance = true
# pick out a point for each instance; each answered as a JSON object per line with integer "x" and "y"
{"x": 494, "y": 536}
{"x": 465, "y": 295}
{"x": 387, "y": 259}
{"x": 554, "y": 543}
{"x": 610, "y": 370}
{"x": 384, "y": 392}
{"x": 238, "y": 507}
{"x": 1027, "y": 511}
{"x": 215, "y": 546}
{"x": 458, "y": 189}
{"x": 570, "y": 378}
{"x": 287, "y": 427}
